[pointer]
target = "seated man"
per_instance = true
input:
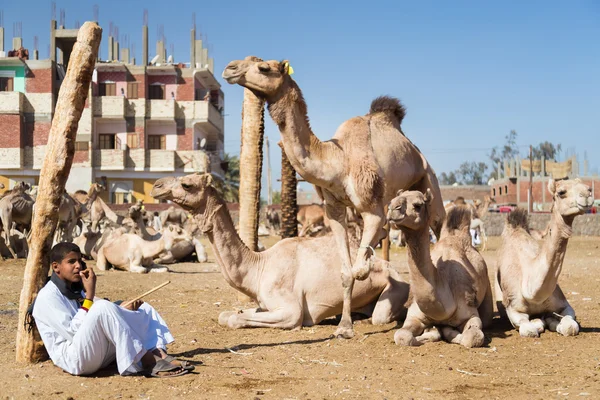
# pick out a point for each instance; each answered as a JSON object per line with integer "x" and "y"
{"x": 83, "y": 334}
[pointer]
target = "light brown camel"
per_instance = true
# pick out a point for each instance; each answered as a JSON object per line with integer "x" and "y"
{"x": 87, "y": 201}
{"x": 528, "y": 270}
{"x": 363, "y": 166}
{"x": 449, "y": 286}
{"x": 173, "y": 216}
{"x": 295, "y": 282}
{"x": 310, "y": 217}
{"x": 68, "y": 215}
{"x": 17, "y": 208}
{"x": 131, "y": 253}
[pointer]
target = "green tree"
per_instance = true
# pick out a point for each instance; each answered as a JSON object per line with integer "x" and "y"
{"x": 276, "y": 197}
{"x": 546, "y": 149}
{"x": 229, "y": 188}
{"x": 472, "y": 173}
{"x": 508, "y": 151}
{"x": 448, "y": 178}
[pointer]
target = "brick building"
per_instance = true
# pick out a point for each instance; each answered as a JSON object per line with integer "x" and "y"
{"x": 140, "y": 122}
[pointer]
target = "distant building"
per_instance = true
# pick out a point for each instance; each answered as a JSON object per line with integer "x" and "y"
{"x": 140, "y": 122}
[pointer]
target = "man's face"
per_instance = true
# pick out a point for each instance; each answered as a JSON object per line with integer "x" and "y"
{"x": 70, "y": 266}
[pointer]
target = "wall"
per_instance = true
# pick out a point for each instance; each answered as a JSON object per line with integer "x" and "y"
{"x": 119, "y": 128}
{"x": 468, "y": 192}
{"x": 170, "y": 82}
{"x": 584, "y": 225}
{"x": 80, "y": 178}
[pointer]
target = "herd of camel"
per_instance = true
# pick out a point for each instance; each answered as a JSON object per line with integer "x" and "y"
{"x": 372, "y": 168}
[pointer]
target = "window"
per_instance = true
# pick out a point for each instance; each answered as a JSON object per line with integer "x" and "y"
{"x": 6, "y": 84}
{"x": 108, "y": 89}
{"x": 132, "y": 90}
{"x": 121, "y": 198}
{"x": 500, "y": 190}
{"x": 107, "y": 141}
{"x": 81, "y": 146}
{"x": 133, "y": 141}
{"x": 505, "y": 189}
{"x": 157, "y": 142}
{"x": 494, "y": 192}
{"x": 156, "y": 92}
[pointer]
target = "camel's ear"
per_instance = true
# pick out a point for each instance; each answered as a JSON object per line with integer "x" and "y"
{"x": 399, "y": 192}
{"x": 577, "y": 180}
{"x": 207, "y": 179}
{"x": 285, "y": 68}
{"x": 428, "y": 196}
{"x": 552, "y": 186}
{"x": 171, "y": 228}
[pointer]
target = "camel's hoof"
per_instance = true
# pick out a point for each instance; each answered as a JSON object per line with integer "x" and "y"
{"x": 361, "y": 273}
{"x": 224, "y": 317}
{"x": 159, "y": 269}
{"x": 568, "y": 327}
{"x": 402, "y": 337}
{"x": 539, "y": 324}
{"x": 473, "y": 338}
{"x": 344, "y": 333}
{"x": 529, "y": 330}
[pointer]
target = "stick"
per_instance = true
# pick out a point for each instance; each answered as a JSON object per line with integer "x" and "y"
{"x": 145, "y": 294}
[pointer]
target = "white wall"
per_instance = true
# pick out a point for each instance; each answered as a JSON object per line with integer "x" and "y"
{"x": 80, "y": 178}
{"x": 169, "y": 129}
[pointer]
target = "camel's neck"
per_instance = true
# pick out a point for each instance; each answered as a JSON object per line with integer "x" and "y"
{"x": 153, "y": 248}
{"x": 240, "y": 266}
{"x": 543, "y": 279}
{"x": 142, "y": 227}
{"x": 307, "y": 154}
{"x": 424, "y": 282}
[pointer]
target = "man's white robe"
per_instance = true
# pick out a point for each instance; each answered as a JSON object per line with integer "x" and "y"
{"x": 83, "y": 342}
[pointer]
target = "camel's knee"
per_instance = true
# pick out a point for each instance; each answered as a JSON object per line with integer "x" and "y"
{"x": 472, "y": 337}
{"x": 138, "y": 269}
{"x": 531, "y": 328}
{"x": 224, "y": 317}
{"x": 404, "y": 337}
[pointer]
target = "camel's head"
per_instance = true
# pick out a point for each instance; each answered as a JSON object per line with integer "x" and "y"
{"x": 265, "y": 78}
{"x": 410, "y": 210}
{"x": 173, "y": 235}
{"x": 571, "y": 197}
{"x": 190, "y": 191}
{"x": 21, "y": 187}
{"x": 96, "y": 187}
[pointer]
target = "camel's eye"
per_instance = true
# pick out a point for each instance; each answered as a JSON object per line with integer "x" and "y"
{"x": 186, "y": 186}
{"x": 264, "y": 68}
{"x": 417, "y": 207}
{"x": 562, "y": 193}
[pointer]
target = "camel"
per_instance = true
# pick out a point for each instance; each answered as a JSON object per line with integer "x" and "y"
{"x": 363, "y": 166}
{"x": 90, "y": 209}
{"x": 173, "y": 216}
{"x": 17, "y": 208}
{"x": 449, "y": 286}
{"x": 273, "y": 221}
{"x": 312, "y": 217}
{"x": 69, "y": 213}
{"x": 131, "y": 253}
{"x": 295, "y": 282}
{"x": 21, "y": 245}
{"x": 528, "y": 270}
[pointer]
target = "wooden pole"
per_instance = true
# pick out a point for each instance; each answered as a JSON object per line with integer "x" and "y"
{"x": 53, "y": 177}
{"x": 145, "y": 294}
{"x": 530, "y": 200}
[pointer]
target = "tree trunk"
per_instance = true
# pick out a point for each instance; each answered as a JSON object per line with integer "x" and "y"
{"x": 289, "y": 204}
{"x": 54, "y": 174}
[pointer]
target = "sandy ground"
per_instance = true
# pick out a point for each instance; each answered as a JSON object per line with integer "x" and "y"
{"x": 275, "y": 364}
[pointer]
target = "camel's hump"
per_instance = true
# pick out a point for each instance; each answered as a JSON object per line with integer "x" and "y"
{"x": 390, "y": 106}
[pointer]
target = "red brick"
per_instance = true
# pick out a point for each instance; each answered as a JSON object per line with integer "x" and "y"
{"x": 141, "y": 80}
{"x": 185, "y": 137}
{"x": 185, "y": 90}
{"x": 10, "y": 130}
{"x": 39, "y": 81}
{"x": 41, "y": 131}
{"x": 81, "y": 156}
{"x": 139, "y": 129}
{"x": 164, "y": 79}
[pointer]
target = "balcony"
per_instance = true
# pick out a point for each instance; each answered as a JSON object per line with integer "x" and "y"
{"x": 110, "y": 107}
{"x": 161, "y": 160}
{"x": 109, "y": 160}
{"x": 135, "y": 108}
{"x": 136, "y": 159}
{"x": 207, "y": 115}
{"x": 192, "y": 161}
{"x": 160, "y": 109}
{"x": 11, "y": 158}
{"x": 11, "y": 102}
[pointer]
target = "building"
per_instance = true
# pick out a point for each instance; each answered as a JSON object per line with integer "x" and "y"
{"x": 140, "y": 122}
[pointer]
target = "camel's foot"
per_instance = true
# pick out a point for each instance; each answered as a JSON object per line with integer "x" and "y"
{"x": 472, "y": 337}
{"x": 568, "y": 326}
{"x": 224, "y": 317}
{"x": 361, "y": 268}
{"x": 430, "y": 335}
{"x": 531, "y": 328}
{"x": 344, "y": 331}
{"x": 159, "y": 269}
{"x": 404, "y": 337}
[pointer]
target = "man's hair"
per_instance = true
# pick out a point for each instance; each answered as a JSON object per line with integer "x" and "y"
{"x": 59, "y": 251}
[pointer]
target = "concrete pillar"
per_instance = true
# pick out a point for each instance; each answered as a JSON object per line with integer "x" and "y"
{"x": 125, "y": 56}
{"x": 36, "y": 55}
{"x": 116, "y": 50}
{"x": 53, "y": 40}
{"x": 111, "y": 48}
{"x": 505, "y": 168}
{"x": 205, "y": 56}
{"x": 145, "y": 45}
{"x": 160, "y": 50}
{"x": 211, "y": 65}
{"x": 193, "y": 48}
{"x": 543, "y": 173}
{"x": 499, "y": 171}
{"x": 519, "y": 171}
{"x": 1, "y": 38}
{"x": 132, "y": 60}
{"x": 198, "y": 53}
{"x": 586, "y": 167}
{"x": 17, "y": 43}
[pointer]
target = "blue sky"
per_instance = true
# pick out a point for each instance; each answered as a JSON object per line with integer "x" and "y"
{"x": 467, "y": 71}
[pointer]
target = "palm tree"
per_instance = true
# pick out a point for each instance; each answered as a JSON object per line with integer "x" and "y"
{"x": 289, "y": 205}
{"x": 229, "y": 188}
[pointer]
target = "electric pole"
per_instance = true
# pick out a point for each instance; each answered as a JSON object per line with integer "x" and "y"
{"x": 269, "y": 187}
{"x": 530, "y": 200}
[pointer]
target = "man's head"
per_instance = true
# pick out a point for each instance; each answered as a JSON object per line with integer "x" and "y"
{"x": 66, "y": 262}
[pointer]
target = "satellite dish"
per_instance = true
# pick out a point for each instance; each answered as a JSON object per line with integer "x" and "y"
{"x": 203, "y": 143}
{"x": 154, "y": 60}
{"x": 170, "y": 59}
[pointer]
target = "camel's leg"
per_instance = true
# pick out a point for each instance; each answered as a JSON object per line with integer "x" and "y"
{"x": 283, "y": 318}
{"x": 139, "y": 269}
{"x": 373, "y": 232}
{"x": 412, "y": 327}
{"x": 486, "y": 308}
{"x": 337, "y": 214}
{"x": 200, "y": 251}
{"x": 390, "y": 305}
{"x": 101, "y": 262}
{"x": 305, "y": 229}
{"x": 567, "y": 325}
{"x": 499, "y": 296}
{"x": 7, "y": 223}
{"x": 526, "y": 327}
{"x": 471, "y": 336}
{"x": 430, "y": 335}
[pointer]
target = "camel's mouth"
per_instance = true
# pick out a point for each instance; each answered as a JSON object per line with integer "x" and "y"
{"x": 232, "y": 77}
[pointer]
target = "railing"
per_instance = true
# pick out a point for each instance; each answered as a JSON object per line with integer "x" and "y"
{"x": 160, "y": 109}
{"x": 136, "y": 159}
{"x": 11, "y": 102}
{"x": 109, "y": 106}
{"x": 109, "y": 159}
{"x": 192, "y": 160}
{"x": 161, "y": 160}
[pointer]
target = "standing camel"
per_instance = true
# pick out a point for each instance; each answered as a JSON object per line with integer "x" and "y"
{"x": 367, "y": 161}
{"x": 16, "y": 207}
{"x": 528, "y": 270}
{"x": 450, "y": 286}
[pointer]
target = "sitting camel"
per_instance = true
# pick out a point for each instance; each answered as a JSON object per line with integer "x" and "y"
{"x": 528, "y": 270}
{"x": 173, "y": 216}
{"x": 449, "y": 286}
{"x": 367, "y": 161}
{"x": 130, "y": 252}
{"x": 295, "y": 282}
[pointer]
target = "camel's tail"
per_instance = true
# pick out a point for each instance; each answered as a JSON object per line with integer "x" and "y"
{"x": 518, "y": 218}
{"x": 458, "y": 222}
{"x": 390, "y": 106}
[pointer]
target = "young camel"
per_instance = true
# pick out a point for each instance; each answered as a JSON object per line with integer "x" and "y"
{"x": 528, "y": 270}
{"x": 449, "y": 286}
{"x": 131, "y": 253}
{"x": 295, "y": 282}
{"x": 367, "y": 161}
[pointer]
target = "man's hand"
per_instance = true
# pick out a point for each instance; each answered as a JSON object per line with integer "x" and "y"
{"x": 88, "y": 279}
{"x": 133, "y": 306}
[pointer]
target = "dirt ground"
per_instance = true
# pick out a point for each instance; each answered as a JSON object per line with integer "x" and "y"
{"x": 308, "y": 364}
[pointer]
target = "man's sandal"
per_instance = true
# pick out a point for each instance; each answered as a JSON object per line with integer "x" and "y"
{"x": 183, "y": 364}
{"x": 165, "y": 366}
